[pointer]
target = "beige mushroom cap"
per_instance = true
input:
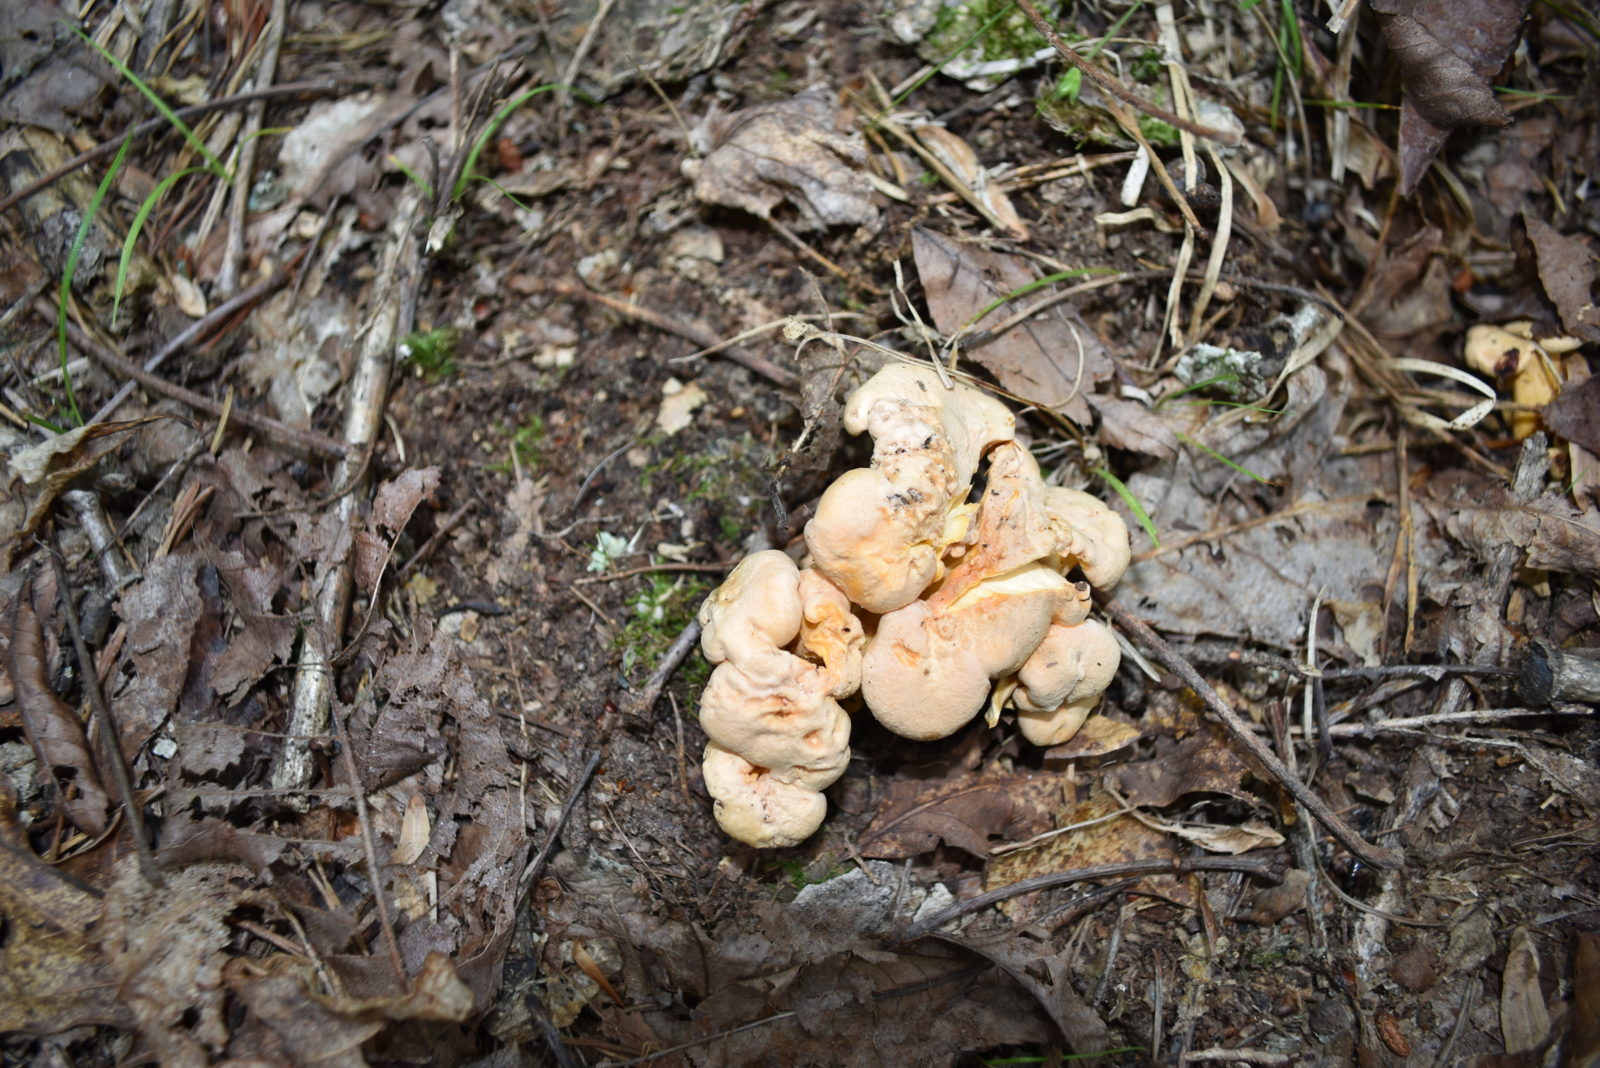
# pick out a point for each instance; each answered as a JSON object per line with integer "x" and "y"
{"x": 879, "y": 532}
{"x": 793, "y": 727}
{"x": 927, "y": 671}
{"x": 903, "y": 401}
{"x": 880, "y": 546}
{"x": 1013, "y": 527}
{"x": 1091, "y": 536}
{"x": 754, "y": 613}
{"x": 1060, "y": 684}
{"x": 754, "y": 806}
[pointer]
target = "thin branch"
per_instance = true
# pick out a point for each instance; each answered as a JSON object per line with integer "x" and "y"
{"x": 535, "y": 868}
{"x": 1377, "y": 856}
{"x": 1116, "y": 88}
{"x": 369, "y": 846}
{"x": 1261, "y": 867}
{"x": 674, "y": 656}
{"x": 305, "y": 439}
{"x": 202, "y": 326}
{"x": 110, "y": 736}
{"x": 749, "y": 360}
{"x": 150, "y": 126}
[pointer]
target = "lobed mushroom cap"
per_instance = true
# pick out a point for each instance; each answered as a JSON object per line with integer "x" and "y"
{"x": 755, "y": 807}
{"x": 900, "y": 403}
{"x": 754, "y": 613}
{"x": 928, "y": 668}
{"x": 879, "y": 545}
{"x": 793, "y": 727}
{"x": 1060, "y": 684}
{"x": 1091, "y": 536}
{"x": 831, "y": 633}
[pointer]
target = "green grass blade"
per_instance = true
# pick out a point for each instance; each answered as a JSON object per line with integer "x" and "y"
{"x": 1024, "y": 290}
{"x": 161, "y": 106}
{"x": 73, "y": 255}
{"x": 494, "y": 124}
{"x": 1195, "y": 387}
{"x": 1221, "y": 459}
{"x": 503, "y": 191}
{"x": 1133, "y": 504}
{"x": 412, "y": 176}
{"x": 139, "y": 218}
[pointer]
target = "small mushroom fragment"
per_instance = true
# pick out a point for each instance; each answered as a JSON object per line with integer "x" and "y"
{"x": 880, "y": 532}
{"x": 1059, "y": 685}
{"x": 777, "y": 734}
{"x": 1093, "y": 538}
{"x": 1511, "y": 352}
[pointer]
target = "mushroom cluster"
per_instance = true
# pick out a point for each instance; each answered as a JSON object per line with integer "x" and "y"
{"x": 965, "y": 606}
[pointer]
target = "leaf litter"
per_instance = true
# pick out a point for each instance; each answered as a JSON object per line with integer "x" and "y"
{"x": 497, "y": 853}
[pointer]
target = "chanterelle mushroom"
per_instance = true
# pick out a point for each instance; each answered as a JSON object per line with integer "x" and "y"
{"x": 777, "y": 733}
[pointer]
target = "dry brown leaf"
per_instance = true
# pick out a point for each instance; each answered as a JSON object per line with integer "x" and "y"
{"x": 1566, "y": 267}
{"x": 1231, "y": 840}
{"x": 971, "y": 812}
{"x": 1448, "y": 51}
{"x": 52, "y": 727}
{"x": 1097, "y": 737}
{"x": 1202, "y": 763}
{"x": 285, "y": 1025}
{"x": 903, "y": 1008}
{"x": 49, "y": 76}
{"x": 1118, "y": 840}
{"x": 1524, "y": 1020}
{"x": 1047, "y": 975}
{"x": 1129, "y": 425}
{"x": 1053, "y": 360}
{"x": 1554, "y": 535}
{"x": 52, "y": 976}
{"x": 786, "y": 152}
{"x": 1583, "y": 1041}
{"x": 957, "y": 157}
{"x": 36, "y": 475}
{"x": 392, "y": 508}
{"x": 1273, "y": 903}
{"x": 163, "y": 612}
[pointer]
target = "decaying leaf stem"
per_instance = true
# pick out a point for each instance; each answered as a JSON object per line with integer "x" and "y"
{"x": 1241, "y": 732}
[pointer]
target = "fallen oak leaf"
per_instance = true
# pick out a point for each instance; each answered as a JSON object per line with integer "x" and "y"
{"x": 39, "y": 473}
{"x": 1053, "y": 359}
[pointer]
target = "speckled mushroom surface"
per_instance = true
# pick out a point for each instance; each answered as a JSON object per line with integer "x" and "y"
{"x": 943, "y": 580}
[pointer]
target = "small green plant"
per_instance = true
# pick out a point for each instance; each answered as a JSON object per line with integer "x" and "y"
{"x": 469, "y": 169}
{"x": 432, "y": 351}
{"x": 657, "y": 615}
{"x": 1146, "y": 66}
{"x": 527, "y": 445}
{"x": 798, "y": 873}
{"x": 608, "y": 549}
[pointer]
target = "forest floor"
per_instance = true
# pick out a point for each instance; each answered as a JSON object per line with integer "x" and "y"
{"x": 420, "y": 369}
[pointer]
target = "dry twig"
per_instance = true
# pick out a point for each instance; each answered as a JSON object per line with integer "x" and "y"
{"x": 1376, "y": 856}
